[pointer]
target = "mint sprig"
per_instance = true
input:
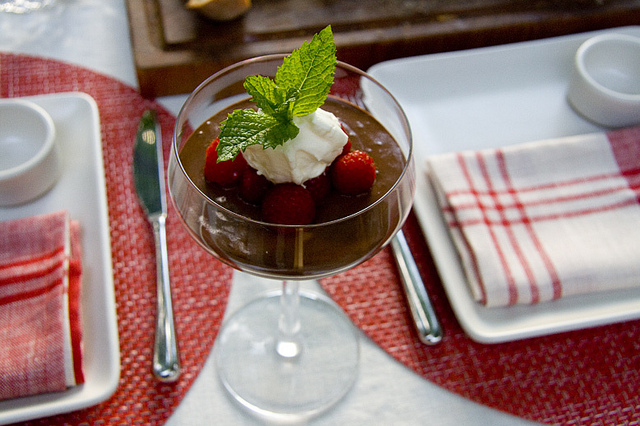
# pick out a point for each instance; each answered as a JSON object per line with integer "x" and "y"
{"x": 300, "y": 87}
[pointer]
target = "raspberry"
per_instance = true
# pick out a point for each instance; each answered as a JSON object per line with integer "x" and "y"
{"x": 288, "y": 204}
{"x": 253, "y": 186}
{"x": 347, "y": 147}
{"x": 353, "y": 173}
{"x": 225, "y": 173}
{"x": 318, "y": 186}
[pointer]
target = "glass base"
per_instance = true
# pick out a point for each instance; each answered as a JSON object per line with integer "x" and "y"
{"x": 276, "y": 381}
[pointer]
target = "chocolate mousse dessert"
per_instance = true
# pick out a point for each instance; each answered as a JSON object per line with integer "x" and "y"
{"x": 365, "y": 134}
{"x": 301, "y": 193}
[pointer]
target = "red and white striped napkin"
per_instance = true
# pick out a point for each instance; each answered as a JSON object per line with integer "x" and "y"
{"x": 40, "y": 284}
{"x": 544, "y": 220}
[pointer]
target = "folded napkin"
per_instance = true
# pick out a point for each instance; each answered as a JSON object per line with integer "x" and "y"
{"x": 40, "y": 284}
{"x": 544, "y": 220}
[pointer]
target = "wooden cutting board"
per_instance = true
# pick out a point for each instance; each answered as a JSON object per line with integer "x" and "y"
{"x": 175, "y": 48}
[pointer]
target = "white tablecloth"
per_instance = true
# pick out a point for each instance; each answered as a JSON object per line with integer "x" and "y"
{"x": 95, "y": 34}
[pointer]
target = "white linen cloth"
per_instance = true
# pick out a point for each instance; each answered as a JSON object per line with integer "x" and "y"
{"x": 543, "y": 220}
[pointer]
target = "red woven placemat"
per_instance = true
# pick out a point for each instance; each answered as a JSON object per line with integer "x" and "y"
{"x": 587, "y": 377}
{"x": 577, "y": 378}
{"x": 200, "y": 282}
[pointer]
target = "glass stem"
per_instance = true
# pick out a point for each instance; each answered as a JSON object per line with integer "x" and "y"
{"x": 289, "y": 345}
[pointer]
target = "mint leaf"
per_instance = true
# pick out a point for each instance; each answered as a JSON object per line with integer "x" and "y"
{"x": 308, "y": 72}
{"x": 245, "y": 127}
{"x": 300, "y": 87}
{"x": 264, "y": 93}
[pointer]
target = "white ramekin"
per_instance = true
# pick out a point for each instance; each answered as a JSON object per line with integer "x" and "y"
{"x": 30, "y": 162}
{"x": 605, "y": 86}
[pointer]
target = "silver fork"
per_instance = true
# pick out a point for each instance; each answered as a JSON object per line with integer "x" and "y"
{"x": 424, "y": 316}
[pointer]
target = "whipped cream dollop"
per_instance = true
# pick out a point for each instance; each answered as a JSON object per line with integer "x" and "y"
{"x": 304, "y": 157}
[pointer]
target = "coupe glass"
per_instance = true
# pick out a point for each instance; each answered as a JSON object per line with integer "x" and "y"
{"x": 290, "y": 354}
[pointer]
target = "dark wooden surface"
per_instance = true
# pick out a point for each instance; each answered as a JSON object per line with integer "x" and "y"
{"x": 175, "y": 48}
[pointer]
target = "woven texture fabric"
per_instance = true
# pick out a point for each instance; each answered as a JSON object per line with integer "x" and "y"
{"x": 200, "y": 283}
{"x": 586, "y": 377}
{"x": 39, "y": 280}
{"x": 543, "y": 220}
{"x": 579, "y": 378}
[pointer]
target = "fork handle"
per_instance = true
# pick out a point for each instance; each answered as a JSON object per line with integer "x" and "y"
{"x": 424, "y": 316}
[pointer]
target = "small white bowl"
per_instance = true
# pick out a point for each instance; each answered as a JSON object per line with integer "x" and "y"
{"x": 605, "y": 86}
{"x": 30, "y": 162}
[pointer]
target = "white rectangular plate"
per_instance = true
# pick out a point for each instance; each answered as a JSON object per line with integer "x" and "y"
{"x": 81, "y": 191}
{"x": 487, "y": 98}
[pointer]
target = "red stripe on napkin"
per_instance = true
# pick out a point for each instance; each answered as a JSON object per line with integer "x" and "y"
{"x": 36, "y": 260}
{"x": 632, "y": 176}
{"x": 75, "y": 285}
{"x": 535, "y": 295}
{"x": 536, "y": 222}
{"x": 501, "y": 257}
{"x": 626, "y": 149}
{"x": 17, "y": 297}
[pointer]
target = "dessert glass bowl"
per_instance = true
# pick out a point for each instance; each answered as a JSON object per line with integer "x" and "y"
{"x": 289, "y": 355}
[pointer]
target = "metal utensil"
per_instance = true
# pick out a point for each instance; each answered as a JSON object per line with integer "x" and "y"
{"x": 148, "y": 175}
{"x": 424, "y": 316}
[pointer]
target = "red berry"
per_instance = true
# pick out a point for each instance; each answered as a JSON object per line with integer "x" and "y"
{"x": 347, "y": 147}
{"x": 224, "y": 173}
{"x": 288, "y": 204}
{"x": 253, "y": 186}
{"x": 318, "y": 186}
{"x": 353, "y": 173}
